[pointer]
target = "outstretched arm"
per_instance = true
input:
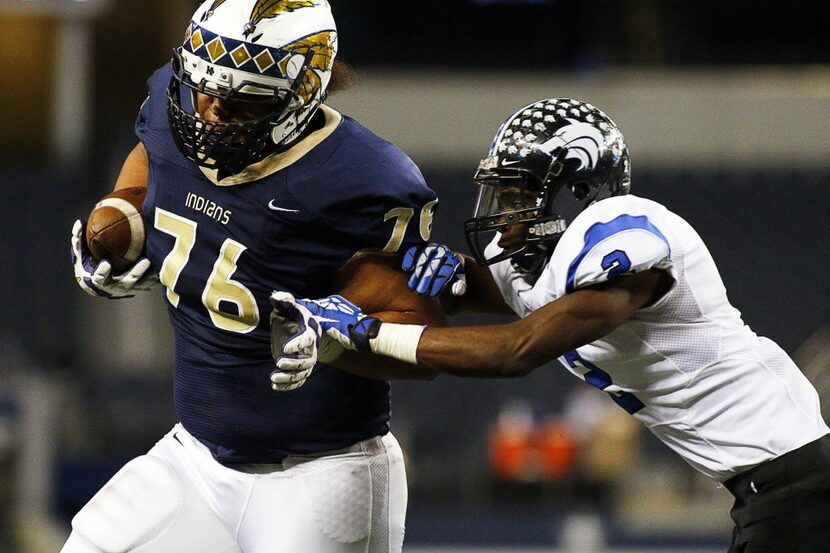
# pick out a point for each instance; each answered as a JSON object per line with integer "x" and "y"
{"x": 516, "y": 348}
{"x": 507, "y": 350}
{"x": 375, "y": 283}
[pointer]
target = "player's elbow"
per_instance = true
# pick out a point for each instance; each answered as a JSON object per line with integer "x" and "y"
{"x": 519, "y": 361}
{"x": 521, "y": 358}
{"x": 425, "y": 374}
{"x": 515, "y": 369}
{"x": 525, "y": 362}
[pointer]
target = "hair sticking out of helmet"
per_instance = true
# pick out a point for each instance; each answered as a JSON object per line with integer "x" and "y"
{"x": 275, "y": 53}
{"x": 547, "y": 163}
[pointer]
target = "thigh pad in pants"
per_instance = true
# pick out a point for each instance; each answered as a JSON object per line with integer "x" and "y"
{"x": 146, "y": 507}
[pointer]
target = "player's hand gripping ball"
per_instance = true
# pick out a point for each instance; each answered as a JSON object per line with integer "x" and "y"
{"x": 115, "y": 229}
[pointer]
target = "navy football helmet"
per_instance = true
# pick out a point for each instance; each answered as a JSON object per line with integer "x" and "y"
{"x": 275, "y": 57}
{"x": 548, "y": 162}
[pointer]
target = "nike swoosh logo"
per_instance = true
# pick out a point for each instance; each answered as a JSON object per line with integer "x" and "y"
{"x": 273, "y": 207}
{"x": 506, "y": 162}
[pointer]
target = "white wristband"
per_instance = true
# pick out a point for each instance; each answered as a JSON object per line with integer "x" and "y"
{"x": 399, "y": 341}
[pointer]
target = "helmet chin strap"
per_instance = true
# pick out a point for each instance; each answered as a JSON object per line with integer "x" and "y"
{"x": 530, "y": 260}
{"x": 532, "y": 257}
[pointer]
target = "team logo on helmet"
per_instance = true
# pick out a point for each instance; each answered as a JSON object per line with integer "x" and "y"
{"x": 322, "y": 59}
{"x": 267, "y": 9}
{"x": 583, "y": 140}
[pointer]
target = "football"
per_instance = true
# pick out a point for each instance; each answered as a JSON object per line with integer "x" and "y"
{"x": 115, "y": 229}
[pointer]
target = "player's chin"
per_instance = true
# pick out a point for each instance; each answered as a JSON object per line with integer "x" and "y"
{"x": 512, "y": 244}
{"x": 234, "y": 139}
{"x": 513, "y": 237}
{"x": 232, "y": 134}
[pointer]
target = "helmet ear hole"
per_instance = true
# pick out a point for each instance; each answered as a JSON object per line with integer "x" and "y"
{"x": 580, "y": 190}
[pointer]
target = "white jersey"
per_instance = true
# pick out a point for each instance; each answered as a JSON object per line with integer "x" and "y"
{"x": 687, "y": 367}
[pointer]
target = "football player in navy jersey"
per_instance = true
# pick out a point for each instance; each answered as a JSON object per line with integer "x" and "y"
{"x": 626, "y": 295}
{"x": 254, "y": 186}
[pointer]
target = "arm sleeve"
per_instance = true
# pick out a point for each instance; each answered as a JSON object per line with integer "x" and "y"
{"x": 627, "y": 244}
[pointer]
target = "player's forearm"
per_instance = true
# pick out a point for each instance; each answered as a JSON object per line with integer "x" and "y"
{"x": 379, "y": 367}
{"x": 514, "y": 349}
{"x": 502, "y": 351}
{"x": 472, "y": 352}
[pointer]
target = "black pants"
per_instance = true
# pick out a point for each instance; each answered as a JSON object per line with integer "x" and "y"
{"x": 783, "y": 505}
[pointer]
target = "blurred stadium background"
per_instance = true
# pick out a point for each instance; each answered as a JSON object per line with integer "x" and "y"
{"x": 725, "y": 106}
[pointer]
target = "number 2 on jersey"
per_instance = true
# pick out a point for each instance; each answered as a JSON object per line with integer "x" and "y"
{"x": 220, "y": 287}
{"x": 598, "y": 378}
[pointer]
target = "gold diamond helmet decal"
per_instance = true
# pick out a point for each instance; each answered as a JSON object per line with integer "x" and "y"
{"x": 268, "y": 61}
{"x": 196, "y": 40}
{"x": 283, "y": 64}
{"x": 216, "y": 49}
{"x": 264, "y": 60}
{"x": 240, "y": 55}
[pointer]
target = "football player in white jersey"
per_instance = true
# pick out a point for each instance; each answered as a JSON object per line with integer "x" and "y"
{"x": 627, "y": 296}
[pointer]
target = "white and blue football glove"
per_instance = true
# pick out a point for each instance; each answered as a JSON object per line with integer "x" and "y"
{"x": 434, "y": 268}
{"x": 296, "y": 354}
{"x": 98, "y": 280}
{"x": 343, "y": 325}
{"x": 343, "y": 321}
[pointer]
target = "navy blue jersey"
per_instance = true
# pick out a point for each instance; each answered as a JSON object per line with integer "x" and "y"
{"x": 222, "y": 250}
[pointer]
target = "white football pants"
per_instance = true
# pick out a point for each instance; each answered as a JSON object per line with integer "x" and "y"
{"x": 178, "y": 499}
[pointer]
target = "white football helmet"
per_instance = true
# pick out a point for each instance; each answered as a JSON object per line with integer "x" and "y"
{"x": 276, "y": 52}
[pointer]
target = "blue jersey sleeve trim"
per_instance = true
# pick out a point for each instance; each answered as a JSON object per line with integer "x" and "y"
{"x": 598, "y": 232}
